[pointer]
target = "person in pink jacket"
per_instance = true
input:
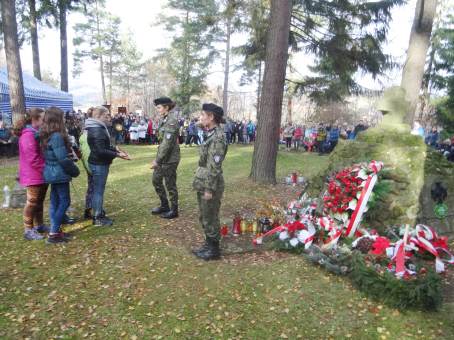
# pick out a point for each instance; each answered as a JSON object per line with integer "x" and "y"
{"x": 31, "y": 165}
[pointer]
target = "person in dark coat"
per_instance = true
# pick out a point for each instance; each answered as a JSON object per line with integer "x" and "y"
{"x": 102, "y": 153}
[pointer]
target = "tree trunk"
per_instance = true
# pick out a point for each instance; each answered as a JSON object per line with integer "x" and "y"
{"x": 259, "y": 88}
{"x": 15, "y": 81}
{"x": 225, "y": 95}
{"x": 34, "y": 39}
{"x": 101, "y": 60}
{"x": 269, "y": 120}
{"x": 127, "y": 92}
{"x": 110, "y": 78}
{"x": 413, "y": 72}
{"x": 63, "y": 46}
{"x": 289, "y": 109}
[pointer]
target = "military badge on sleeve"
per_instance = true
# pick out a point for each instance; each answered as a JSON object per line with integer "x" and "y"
{"x": 169, "y": 135}
{"x": 217, "y": 158}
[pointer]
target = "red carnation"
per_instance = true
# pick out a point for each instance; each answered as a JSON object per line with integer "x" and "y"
{"x": 380, "y": 245}
{"x": 441, "y": 242}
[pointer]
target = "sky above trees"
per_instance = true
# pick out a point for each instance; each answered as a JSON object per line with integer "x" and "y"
{"x": 139, "y": 15}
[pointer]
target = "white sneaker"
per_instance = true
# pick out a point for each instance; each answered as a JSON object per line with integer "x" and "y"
{"x": 32, "y": 235}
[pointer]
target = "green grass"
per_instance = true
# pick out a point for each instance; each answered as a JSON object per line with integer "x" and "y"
{"x": 138, "y": 279}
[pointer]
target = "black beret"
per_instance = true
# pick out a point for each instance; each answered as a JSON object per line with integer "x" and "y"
{"x": 210, "y": 107}
{"x": 162, "y": 101}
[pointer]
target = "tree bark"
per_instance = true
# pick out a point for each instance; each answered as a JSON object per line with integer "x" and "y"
{"x": 259, "y": 88}
{"x": 225, "y": 94}
{"x": 413, "y": 71}
{"x": 101, "y": 60}
{"x": 13, "y": 62}
{"x": 269, "y": 120}
{"x": 34, "y": 39}
{"x": 63, "y": 46}
{"x": 110, "y": 78}
{"x": 289, "y": 109}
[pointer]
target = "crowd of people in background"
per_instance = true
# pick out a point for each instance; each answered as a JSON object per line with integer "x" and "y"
{"x": 319, "y": 138}
{"x": 131, "y": 128}
{"x": 50, "y": 140}
{"x": 142, "y": 130}
{"x": 433, "y": 138}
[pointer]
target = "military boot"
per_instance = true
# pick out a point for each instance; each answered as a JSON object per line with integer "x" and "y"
{"x": 172, "y": 213}
{"x": 201, "y": 250}
{"x": 212, "y": 253}
{"x": 163, "y": 208}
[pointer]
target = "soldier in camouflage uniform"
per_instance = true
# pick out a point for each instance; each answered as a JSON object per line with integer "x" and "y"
{"x": 167, "y": 159}
{"x": 209, "y": 181}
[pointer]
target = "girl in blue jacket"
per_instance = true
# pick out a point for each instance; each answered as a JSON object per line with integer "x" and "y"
{"x": 56, "y": 148}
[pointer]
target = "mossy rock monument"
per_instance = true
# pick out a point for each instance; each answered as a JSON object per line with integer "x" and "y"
{"x": 412, "y": 168}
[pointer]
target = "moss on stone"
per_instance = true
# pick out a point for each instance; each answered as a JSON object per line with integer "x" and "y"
{"x": 412, "y": 169}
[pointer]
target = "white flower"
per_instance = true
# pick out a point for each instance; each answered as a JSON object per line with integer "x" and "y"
{"x": 302, "y": 235}
{"x": 362, "y": 174}
{"x": 294, "y": 242}
{"x": 352, "y": 204}
{"x": 283, "y": 235}
{"x": 345, "y": 217}
{"x": 390, "y": 252}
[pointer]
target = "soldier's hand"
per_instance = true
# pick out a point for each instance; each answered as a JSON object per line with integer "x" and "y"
{"x": 207, "y": 195}
{"x": 154, "y": 164}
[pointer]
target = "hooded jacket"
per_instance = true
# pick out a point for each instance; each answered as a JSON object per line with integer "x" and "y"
{"x": 31, "y": 159}
{"x": 98, "y": 137}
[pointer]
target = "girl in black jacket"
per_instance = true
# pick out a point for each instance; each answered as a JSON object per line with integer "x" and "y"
{"x": 102, "y": 153}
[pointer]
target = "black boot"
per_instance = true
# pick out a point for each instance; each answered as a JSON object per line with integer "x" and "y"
{"x": 201, "y": 250}
{"x": 163, "y": 208}
{"x": 87, "y": 214}
{"x": 212, "y": 253}
{"x": 69, "y": 220}
{"x": 102, "y": 221}
{"x": 172, "y": 213}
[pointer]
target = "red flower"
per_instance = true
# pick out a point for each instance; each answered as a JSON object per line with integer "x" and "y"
{"x": 358, "y": 233}
{"x": 441, "y": 242}
{"x": 380, "y": 245}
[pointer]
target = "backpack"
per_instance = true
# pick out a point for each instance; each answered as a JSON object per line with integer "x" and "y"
{"x": 85, "y": 150}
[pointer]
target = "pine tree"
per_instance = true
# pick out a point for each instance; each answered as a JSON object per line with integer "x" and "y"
{"x": 346, "y": 37}
{"x": 441, "y": 75}
{"x": 269, "y": 120}
{"x": 190, "y": 54}
{"x": 129, "y": 73}
{"x": 413, "y": 72}
{"x": 253, "y": 51}
{"x": 97, "y": 38}
{"x": 230, "y": 22}
{"x": 59, "y": 9}
{"x": 15, "y": 81}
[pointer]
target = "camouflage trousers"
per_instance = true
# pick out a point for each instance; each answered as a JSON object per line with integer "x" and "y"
{"x": 209, "y": 214}
{"x": 165, "y": 177}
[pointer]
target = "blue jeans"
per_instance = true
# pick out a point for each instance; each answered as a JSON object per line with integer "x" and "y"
{"x": 60, "y": 200}
{"x": 99, "y": 173}
{"x": 89, "y": 194}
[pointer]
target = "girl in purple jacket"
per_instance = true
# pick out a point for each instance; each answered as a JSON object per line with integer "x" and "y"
{"x": 31, "y": 165}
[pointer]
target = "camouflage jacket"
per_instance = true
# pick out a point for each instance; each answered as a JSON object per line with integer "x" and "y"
{"x": 168, "y": 150}
{"x": 208, "y": 176}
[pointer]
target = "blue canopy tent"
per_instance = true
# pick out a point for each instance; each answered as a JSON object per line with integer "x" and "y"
{"x": 37, "y": 94}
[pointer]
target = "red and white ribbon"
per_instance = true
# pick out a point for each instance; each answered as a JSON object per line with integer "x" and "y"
{"x": 361, "y": 205}
{"x": 375, "y": 166}
{"x": 424, "y": 236}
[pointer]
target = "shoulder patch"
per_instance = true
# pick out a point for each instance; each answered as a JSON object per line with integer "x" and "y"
{"x": 217, "y": 158}
{"x": 168, "y": 135}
